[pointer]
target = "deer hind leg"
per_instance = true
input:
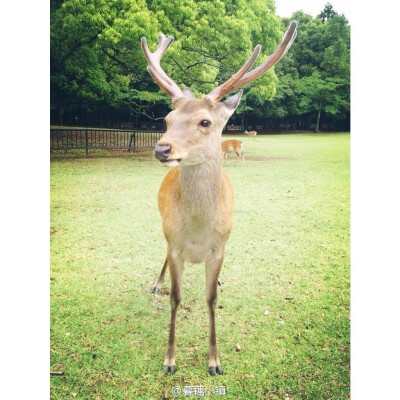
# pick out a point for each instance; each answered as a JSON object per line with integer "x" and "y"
{"x": 176, "y": 265}
{"x": 238, "y": 155}
{"x": 213, "y": 268}
{"x": 157, "y": 286}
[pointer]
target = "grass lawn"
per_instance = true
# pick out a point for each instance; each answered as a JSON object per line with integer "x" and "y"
{"x": 286, "y": 280}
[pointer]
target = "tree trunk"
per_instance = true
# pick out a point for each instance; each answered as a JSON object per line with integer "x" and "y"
{"x": 318, "y": 118}
{"x": 242, "y": 122}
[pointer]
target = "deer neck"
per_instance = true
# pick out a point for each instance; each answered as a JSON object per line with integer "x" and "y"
{"x": 200, "y": 188}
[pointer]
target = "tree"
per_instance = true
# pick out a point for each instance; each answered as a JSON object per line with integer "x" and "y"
{"x": 314, "y": 77}
{"x": 97, "y": 65}
{"x": 327, "y": 13}
{"x": 94, "y": 52}
{"x": 96, "y": 57}
{"x": 318, "y": 94}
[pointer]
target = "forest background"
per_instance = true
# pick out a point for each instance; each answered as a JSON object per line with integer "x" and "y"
{"x": 98, "y": 73}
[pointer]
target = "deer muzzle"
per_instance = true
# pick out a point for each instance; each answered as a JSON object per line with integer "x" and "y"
{"x": 162, "y": 152}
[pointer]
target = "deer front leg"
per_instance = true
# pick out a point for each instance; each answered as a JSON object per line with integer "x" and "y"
{"x": 176, "y": 265}
{"x": 213, "y": 268}
{"x": 157, "y": 286}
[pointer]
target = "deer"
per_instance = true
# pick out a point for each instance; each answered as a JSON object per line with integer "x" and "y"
{"x": 232, "y": 146}
{"x": 195, "y": 198}
{"x": 250, "y": 133}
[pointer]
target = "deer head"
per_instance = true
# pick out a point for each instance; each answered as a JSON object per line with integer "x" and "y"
{"x": 194, "y": 127}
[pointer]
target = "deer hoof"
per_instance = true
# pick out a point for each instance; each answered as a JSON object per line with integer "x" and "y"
{"x": 155, "y": 289}
{"x": 215, "y": 370}
{"x": 169, "y": 368}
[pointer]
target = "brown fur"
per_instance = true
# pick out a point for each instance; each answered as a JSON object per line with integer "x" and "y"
{"x": 196, "y": 205}
{"x": 251, "y": 133}
{"x": 196, "y": 197}
{"x": 235, "y": 146}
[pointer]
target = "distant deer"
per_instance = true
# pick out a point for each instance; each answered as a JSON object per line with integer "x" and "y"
{"x": 251, "y": 133}
{"x": 195, "y": 198}
{"x": 232, "y": 146}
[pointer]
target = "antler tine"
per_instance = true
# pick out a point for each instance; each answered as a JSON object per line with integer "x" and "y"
{"x": 163, "y": 43}
{"x": 242, "y": 77}
{"x": 155, "y": 69}
{"x": 291, "y": 41}
{"x": 226, "y": 87}
{"x": 287, "y": 41}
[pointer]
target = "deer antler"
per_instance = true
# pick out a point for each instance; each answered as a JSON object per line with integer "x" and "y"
{"x": 242, "y": 77}
{"x": 155, "y": 69}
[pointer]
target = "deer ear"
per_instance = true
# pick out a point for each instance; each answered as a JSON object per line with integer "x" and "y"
{"x": 233, "y": 101}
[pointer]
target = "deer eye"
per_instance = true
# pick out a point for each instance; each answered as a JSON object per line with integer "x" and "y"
{"x": 205, "y": 123}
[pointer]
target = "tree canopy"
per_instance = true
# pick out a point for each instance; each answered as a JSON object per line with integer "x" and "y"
{"x": 97, "y": 64}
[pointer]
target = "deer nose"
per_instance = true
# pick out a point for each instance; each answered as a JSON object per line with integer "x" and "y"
{"x": 162, "y": 152}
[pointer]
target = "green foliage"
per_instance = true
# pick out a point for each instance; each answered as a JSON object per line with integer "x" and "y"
{"x": 315, "y": 75}
{"x": 96, "y": 59}
{"x": 327, "y": 13}
{"x": 96, "y": 56}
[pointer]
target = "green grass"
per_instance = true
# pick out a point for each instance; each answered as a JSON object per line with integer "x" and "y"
{"x": 288, "y": 253}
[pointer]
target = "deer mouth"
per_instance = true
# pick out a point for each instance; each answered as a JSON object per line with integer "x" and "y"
{"x": 171, "y": 163}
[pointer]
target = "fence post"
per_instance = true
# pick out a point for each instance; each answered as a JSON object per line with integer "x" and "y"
{"x": 130, "y": 142}
{"x": 86, "y": 141}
